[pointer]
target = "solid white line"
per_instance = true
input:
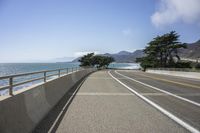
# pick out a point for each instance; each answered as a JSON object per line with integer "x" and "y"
{"x": 153, "y": 94}
{"x": 102, "y": 78}
{"x": 155, "y": 88}
{"x": 170, "y": 115}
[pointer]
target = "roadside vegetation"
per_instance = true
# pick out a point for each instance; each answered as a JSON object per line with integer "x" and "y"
{"x": 162, "y": 52}
{"x": 91, "y": 60}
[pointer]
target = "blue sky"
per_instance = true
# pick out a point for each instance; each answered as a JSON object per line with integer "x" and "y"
{"x": 42, "y": 30}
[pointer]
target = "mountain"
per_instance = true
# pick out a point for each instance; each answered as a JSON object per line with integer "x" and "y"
{"x": 124, "y": 53}
{"x": 76, "y": 60}
{"x": 122, "y": 56}
{"x": 126, "y": 57}
{"x": 192, "y": 51}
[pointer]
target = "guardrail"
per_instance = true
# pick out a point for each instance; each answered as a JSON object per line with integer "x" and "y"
{"x": 176, "y": 69}
{"x": 46, "y": 74}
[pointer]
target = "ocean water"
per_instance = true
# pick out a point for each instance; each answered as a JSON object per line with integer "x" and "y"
{"x": 125, "y": 65}
{"x": 17, "y": 68}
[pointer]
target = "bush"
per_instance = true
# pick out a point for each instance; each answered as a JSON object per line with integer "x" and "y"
{"x": 183, "y": 65}
{"x": 197, "y": 66}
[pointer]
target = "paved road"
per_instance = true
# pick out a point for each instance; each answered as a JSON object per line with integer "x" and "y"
{"x": 188, "y": 89}
{"x": 104, "y": 104}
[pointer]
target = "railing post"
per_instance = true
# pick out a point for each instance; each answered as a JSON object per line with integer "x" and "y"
{"x": 59, "y": 73}
{"x": 45, "y": 76}
{"x": 72, "y": 69}
{"x": 11, "y": 85}
{"x": 67, "y": 70}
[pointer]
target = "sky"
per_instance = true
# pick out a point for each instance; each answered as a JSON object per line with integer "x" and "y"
{"x": 46, "y": 30}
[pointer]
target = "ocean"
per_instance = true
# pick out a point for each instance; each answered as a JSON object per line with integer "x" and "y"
{"x": 17, "y": 68}
{"x": 125, "y": 65}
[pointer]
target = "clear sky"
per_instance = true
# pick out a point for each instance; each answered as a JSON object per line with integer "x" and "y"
{"x": 38, "y": 30}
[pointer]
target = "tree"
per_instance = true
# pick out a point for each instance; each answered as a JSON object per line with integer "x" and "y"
{"x": 162, "y": 51}
{"x": 102, "y": 61}
{"x": 146, "y": 62}
{"x": 86, "y": 60}
{"x": 91, "y": 60}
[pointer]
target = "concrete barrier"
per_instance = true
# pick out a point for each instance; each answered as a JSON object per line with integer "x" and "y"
{"x": 195, "y": 75}
{"x": 22, "y": 112}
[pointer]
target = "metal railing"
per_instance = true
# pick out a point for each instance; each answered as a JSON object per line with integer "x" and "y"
{"x": 46, "y": 74}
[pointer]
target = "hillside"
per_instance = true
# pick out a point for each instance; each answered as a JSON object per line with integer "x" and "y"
{"x": 123, "y": 56}
{"x": 192, "y": 52}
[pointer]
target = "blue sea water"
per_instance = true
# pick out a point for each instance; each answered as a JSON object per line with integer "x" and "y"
{"x": 125, "y": 65}
{"x": 17, "y": 68}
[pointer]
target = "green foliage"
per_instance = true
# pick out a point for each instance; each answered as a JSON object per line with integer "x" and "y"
{"x": 146, "y": 62}
{"x": 197, "y": 66}
{"x": 162, "y": 51}
{"x": 101, "y": 61}
{"x": 91, "y": 60}
{"x": 183, "y": 65}
{"x": 86, "y": 60}
{"x": 194, "y": 65}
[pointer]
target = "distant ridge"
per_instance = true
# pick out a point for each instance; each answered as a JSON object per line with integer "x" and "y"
{"x": 192, "y": 52}
{"x": 123, "y": 56}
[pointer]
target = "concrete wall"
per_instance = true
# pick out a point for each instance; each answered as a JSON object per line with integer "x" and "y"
{"x": 22, "y": 112}
{"x": 195, "y": 75}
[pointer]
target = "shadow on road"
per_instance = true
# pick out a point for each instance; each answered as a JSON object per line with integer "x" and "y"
{"x": 45, "y": 125}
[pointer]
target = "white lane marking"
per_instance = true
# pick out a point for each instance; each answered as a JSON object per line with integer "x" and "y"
{"x": 102, "y": 78}
{"x": 155, "y": 88}
{"x": 114, "y": 94}
{"x": 164, "y": 94}
{"x": 102, "y": 94}
{"x": 127, "y": 94}
{"x": 170, "y": 115}
{"x": 189, "y": 94}
{"x": 98, "y": 77}
{"x": 153, "y": 94}
{"x": 58, "y": 117}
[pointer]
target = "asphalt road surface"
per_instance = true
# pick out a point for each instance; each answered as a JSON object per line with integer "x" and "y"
{"x": 179, "y": 96}
{"x": 131, "y": 101}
